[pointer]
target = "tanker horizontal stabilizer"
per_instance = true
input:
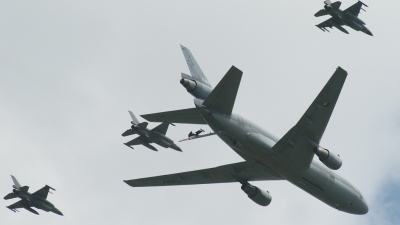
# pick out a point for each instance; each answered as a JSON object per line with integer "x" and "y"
{"x": 190, "y": 116}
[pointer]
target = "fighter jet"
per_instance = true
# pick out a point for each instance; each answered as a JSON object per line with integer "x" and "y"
{"x": 28, "y": 200}
{"x": 348, "y": 17}
{"x": 266, "y": 157}
{"x": 155, "y": 135}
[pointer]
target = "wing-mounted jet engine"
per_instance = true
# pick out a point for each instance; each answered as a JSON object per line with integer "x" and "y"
{"x": 257, "y": 195}
{"x": 328, "y": 158}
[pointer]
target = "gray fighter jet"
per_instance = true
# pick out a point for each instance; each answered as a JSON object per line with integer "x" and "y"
{"x": 266, "y": 157}
{"x": 37, "y": 199}
{"x": 348, "y": 17}
{"x": 155, "y": 135}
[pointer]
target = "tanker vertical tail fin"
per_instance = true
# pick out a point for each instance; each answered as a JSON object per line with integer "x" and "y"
{"x": 222, "y": 98}
{"x": 195, "y": 70}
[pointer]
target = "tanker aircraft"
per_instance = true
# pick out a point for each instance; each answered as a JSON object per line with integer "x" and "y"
{"x": 37, "y": 199}
{"x": 339, "y": 18}
{"x": 155, "y": 135}
{"x": 266, "y": 157}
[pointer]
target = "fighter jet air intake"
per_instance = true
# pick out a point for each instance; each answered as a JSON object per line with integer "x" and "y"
{"x": 348, "y": 17}
{"x": 37, "y": 199}
{"x": 266, "y": 157}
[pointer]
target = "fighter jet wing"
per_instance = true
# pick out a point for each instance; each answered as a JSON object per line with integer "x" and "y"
{"x": 135, "y": 141}
{"x": 222, "y": 174}
{"x": 162, "y": 128}
{"x": 43, "y": 192}
{"x": 354, "y": 9}
{"x": 328, "y": 23}
{"x": 16, "y": 205}
{"x": 298, "y": 143}
{"x": 325, "y": 24}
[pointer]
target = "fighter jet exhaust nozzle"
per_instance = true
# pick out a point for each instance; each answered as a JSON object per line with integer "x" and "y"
{"x": 258, "y": 196}
{"x": 197, "y": 89}
{"x": 328, "y": 158}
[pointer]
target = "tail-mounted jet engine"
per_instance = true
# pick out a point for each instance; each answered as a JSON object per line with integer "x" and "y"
{"x": 328, "y": 158}
{"x": 197, "y": 89}
{"x": 258, "y": 196}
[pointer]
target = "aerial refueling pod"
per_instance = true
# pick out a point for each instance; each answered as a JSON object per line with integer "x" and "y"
{"x": 328, "y": 158}
{"x": 258, "y": 196}
{"x": 195, "y": 88}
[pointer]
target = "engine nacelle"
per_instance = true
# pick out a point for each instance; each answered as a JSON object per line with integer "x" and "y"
{"x": 328, "y": 158}
{"x": 258, "y": 196}
{"x": 197, "y": 89}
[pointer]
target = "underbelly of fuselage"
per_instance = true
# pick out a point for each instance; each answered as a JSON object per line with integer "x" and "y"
{"x": 317, "y": 180}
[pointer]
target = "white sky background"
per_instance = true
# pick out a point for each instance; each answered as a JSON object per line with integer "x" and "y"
{"x": 70, "y": 70}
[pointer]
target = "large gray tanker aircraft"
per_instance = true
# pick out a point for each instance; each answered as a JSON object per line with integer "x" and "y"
{"x": 37, "y": 199}
{"x": 339, "y": 18}
{"x": 266, "y": 157}
{"x": 147, "y": 136}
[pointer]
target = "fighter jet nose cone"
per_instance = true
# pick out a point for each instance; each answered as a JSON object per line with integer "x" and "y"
{"x": 58, "y": 212}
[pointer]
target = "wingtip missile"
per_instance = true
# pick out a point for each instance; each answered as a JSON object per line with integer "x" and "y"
{"x": 170, "y": 123}
{"x": 12, "y": 209}
{"x": 363, "y": 3}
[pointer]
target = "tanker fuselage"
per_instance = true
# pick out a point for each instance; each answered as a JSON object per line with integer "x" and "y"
{"x": 256, "y": 145}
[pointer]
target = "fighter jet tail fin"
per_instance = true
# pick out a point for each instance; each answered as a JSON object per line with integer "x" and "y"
{"x": 222, "y": 98}
{"x": 16, "y": 184}
{"x": 134, "y": 120}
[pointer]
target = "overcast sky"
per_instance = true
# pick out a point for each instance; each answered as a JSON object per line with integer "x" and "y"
{"x": 71, "y": 70}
